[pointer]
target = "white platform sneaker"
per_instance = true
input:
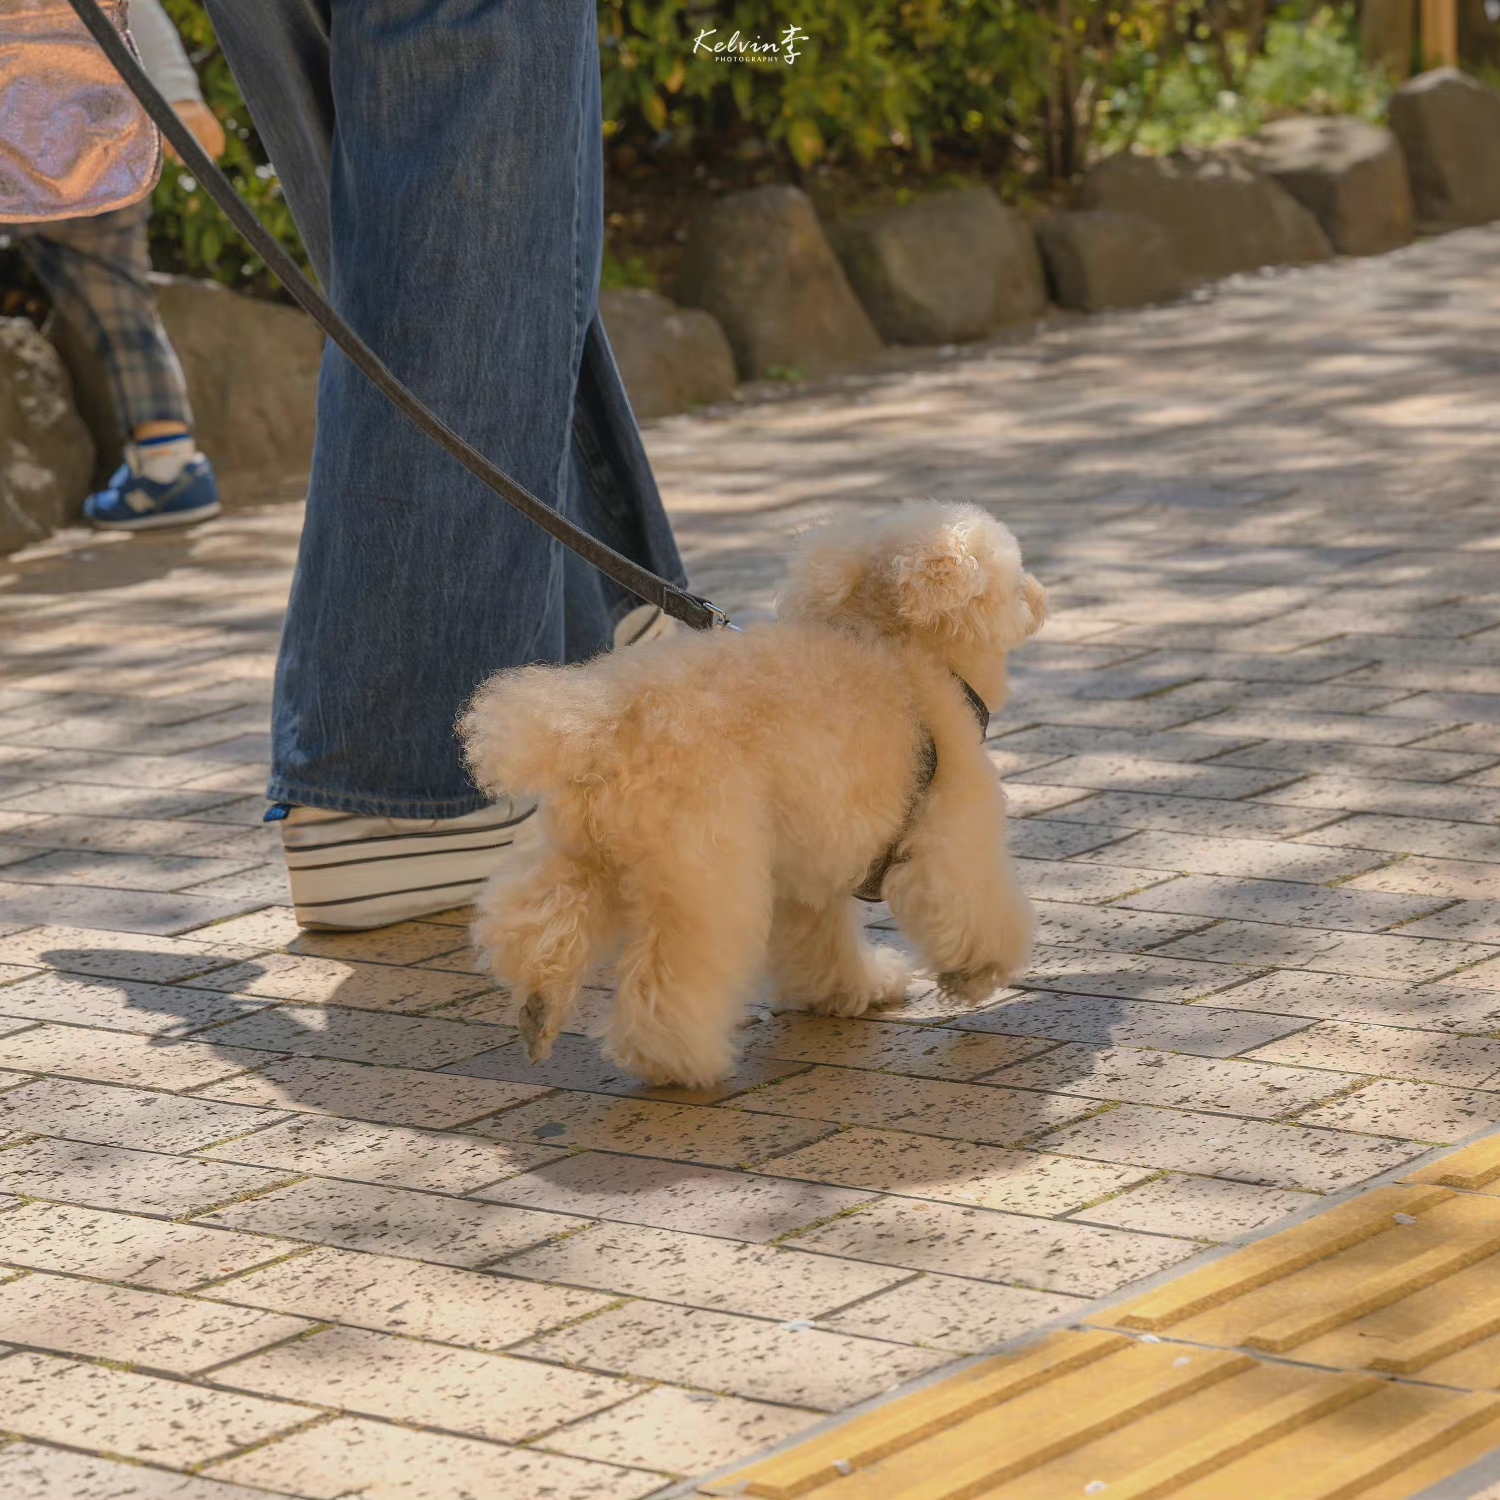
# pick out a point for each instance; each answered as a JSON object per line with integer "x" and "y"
{"x": 351, "y": 871}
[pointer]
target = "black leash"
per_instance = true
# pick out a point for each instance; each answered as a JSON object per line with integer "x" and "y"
{"x": 671, "y": 600}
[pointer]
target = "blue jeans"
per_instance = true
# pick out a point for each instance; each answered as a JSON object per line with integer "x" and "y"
{"x": 444, "y": 162}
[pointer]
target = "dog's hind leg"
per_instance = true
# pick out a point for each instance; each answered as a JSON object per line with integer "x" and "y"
{"x": 542, "y": 929}
{"x": 696, "y": 941}
{"x": 820, "y": 961}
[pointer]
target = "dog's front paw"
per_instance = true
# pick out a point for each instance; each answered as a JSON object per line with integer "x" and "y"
{"x": 974, "y": 985}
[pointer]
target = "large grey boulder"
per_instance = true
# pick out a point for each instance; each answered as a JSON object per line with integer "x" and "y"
{"x": 1098, "y": 259}
{"x": 1449, "y": 126}
{"x": 1219, "y": 215}
{"x": 46, "y": 453}
{"x": 1350, "y": 174}
{"x": 252, "y": 377}
{"x": 670, "y": 357}
{"x": 944, "y": 268}
{"x": 761, "y": 264}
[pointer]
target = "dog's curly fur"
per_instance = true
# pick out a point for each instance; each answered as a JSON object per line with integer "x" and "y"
{"x": 709, "y": 801}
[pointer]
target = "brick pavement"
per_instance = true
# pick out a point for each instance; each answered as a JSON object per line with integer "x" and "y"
{"x": 291, "y": 1213}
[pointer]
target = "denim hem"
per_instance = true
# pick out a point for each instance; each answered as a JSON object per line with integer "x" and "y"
{"x": 371, "y": 806}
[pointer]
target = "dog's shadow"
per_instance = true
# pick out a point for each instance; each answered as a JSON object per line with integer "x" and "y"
{"x": 300, "y": 1041}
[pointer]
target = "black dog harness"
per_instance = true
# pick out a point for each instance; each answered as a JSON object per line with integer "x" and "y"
{"x": 869, "y": 888}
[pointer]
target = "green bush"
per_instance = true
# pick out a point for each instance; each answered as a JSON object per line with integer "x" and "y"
{"x": 1311, "y": 64}
{"x": 1023, "y": 91}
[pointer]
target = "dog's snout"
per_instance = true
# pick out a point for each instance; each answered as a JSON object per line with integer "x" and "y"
{"x": 1036, "y": 601}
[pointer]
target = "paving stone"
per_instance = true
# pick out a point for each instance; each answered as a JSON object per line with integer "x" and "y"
{"x": 924, "y": 1052}
{"x": 967, "y": 1111}
{"x": 123, "y": 872}
{"x": 672, "y": 1195}
{"x": 1044, "y": 838}
{"x": 360, "y": 1091}
{"x": 739, "y": 1356}
{"x": 669, "y": 1266}
{"x": 117, "y": 955}
{"x": 457, "y": 1390}
{"x": 1464, "y": 921}
{"x": 128, "y": 1247}
{"x": 109, "y": 1177}
{"x": 955, "y": 1171}
{"x": 329, "y": 981}
{"x": 683, "y": 1432}
{"x": 392, "y": 1154}
{"x": 41, "y": 1473}
{"x": 1429, "y": 836}
{"x": 1123, "y": 773}
{"x": 390, "y": 1221}
{"x": 1126, "y": 976}
{"x": 1043, "y": 1254}
{"x": 1109, "y": 927}
{"x": 118, "y": 1004}
{"x": 578, "y": 1063}
{"x": 1205, "y": 1030}
{"x": 1334, "y": 997}
{"x": 1284, "y": 901}
{"x": 683, "y": 1132}
{"x": 1406, "y": 762}
{"x": 1194, "y": 815}
{"x": 952, "y": 1314}
{"x": 136, "y": 1415}
{"x": 1422, "y": 1056}
{"x": 1140, "y": 1076}
{"x": 1290, "y": 1156}
{"x": 1459, "y": 879}
{"x": 1376, "y": 955}
{"x": 113, "y": 1116}
{"x": 112, "y": 801}
{"x": 352, "y": 1455}
{"x": 437, "y": 1302}
{"x": 355, "y": 1035}
{"x": 124, "y": 911}
{"x": 1290, "y": 724}
{"x": 117, "y": 1057}
{"x": 1454, "y": 801}
{"x": 1207, "y": 1208}
{"x": 1417, "y": 1111}
{"x": 1246, "y": 858}
{"x": 145, "y": 1328}
{"x": 1486, "y": 975}
{"x": 1071, "y": 880}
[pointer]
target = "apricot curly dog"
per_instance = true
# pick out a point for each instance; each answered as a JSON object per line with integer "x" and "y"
{"x": 710, "y": 802}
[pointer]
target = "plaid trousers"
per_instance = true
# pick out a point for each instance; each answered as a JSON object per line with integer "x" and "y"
{"x": 95, "y": 270}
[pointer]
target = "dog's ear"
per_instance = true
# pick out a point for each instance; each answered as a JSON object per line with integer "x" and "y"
{"x": 825, "y": 570}
{"x": 937, "y": 578}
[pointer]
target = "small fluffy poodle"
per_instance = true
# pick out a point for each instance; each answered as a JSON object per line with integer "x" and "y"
{"x": 711, "y": 802}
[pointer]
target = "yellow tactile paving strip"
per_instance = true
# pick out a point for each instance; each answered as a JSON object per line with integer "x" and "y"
{"x": 1356, "y": 1354}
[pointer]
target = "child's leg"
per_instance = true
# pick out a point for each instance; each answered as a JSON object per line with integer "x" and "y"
{"x": 95, "y": 271}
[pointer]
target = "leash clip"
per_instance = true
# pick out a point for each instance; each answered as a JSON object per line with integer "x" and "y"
{"x": 718, "y": 618}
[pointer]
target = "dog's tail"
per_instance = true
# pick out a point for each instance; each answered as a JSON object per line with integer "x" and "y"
{"x": 533, "y": 731}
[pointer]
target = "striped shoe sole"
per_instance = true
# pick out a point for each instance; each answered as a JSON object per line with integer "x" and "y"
{"x": 353, "y": 872}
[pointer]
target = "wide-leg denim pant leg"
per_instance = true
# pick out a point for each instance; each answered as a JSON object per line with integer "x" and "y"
{"x": 443, "y": 159}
